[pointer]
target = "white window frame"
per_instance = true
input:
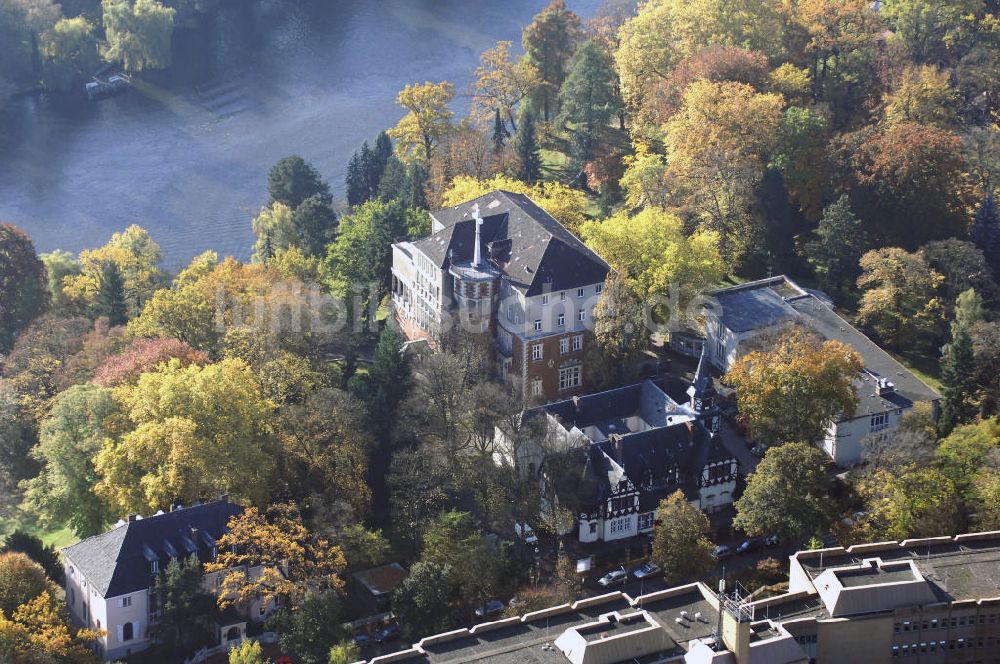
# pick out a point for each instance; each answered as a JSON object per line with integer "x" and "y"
{"x": 563, "y": 346}
{"x": 879, "y": 422}
{"x": 124, "y": 602}
{"x": 538, "y": 325}
{"x": 536, "y": 387}
{"x": 562, "y": 295}
{"x": 561, "y": 320}
{"x": 536, "y": 352}
{"x": 578, "y": 342}
{"x": 582, "y": 315}
{"x": 579, "y": 292}
{"x": 570, "y": 377}
{"x": 599, "y": 288}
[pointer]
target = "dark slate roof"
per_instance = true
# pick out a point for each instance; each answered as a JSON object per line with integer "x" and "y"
{"x": 581, "y": 475}
{"x": 118, "y": 561}
{"x": 534, "y": 251}
{"x": 743, "y": 309}
{"x": 592, "y": 409}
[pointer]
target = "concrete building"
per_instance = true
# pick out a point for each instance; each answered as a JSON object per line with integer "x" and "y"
{"x": 110, "y": 577}
{"x": 737, "y": 317}
{"x": 611, "y": 457}
{"x": 928, "y": 601}
{"x": 502, "y": 266}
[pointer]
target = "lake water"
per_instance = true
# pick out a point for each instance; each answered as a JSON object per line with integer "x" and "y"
{"x": 185, "y": 153}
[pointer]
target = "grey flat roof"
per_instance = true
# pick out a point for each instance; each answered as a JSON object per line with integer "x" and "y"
{"x": 867, "y": 576}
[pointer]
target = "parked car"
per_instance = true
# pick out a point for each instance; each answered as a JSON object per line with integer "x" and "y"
{"x": 361, "y": 640}
{"x": 646, "y": 571}
{"x": 748, "y": 544}
{"x": 721, "y": 551}
{"x": 529, "y": 535}
{"x": 772, "y": 541}
{"x": 387, "y": 633}
{"x": 491, "y": 608}
{"x": 613, "y": 577}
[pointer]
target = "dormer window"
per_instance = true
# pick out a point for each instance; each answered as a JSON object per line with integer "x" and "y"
{"x": 545, "y": 299}
{"x": 579, "y": 292}
{"x": 154, "y": 566}
{"x": 599, "y": 288}
{"x": 562, "y": 295}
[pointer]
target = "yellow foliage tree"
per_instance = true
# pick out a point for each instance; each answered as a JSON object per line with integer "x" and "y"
{"x": 791, "y": 390}
{"x": 199, "y": 431}
{"x": 292, "y": 560}
{"x": 924, "y": 95}
{"x": 566, "y": 204}
{"x": 428, "y": 119}
{"x": 654, "y": 255}
{"x": 501, "y": 82}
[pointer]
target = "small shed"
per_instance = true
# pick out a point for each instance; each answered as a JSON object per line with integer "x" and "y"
{"x": 378, "y": 583}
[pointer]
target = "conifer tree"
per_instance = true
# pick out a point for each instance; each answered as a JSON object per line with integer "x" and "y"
{"x": 355, "y": 181}
{"x": 110, "y": 301}
{"x": 985, "y": 233}
{"x": 500, "y": 133}
{"x": 381, "y": 153}
{"x": 958, "y": 365}
{"x": 526, "y": 149}
{"x": 416, "y": 183}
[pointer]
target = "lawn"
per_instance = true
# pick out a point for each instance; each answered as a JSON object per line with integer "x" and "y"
{"x": 56, "y": 536}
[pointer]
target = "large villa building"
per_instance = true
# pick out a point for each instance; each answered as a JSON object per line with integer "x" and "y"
{"x": 737, "y": 317}
{"x": 502, "y": 266}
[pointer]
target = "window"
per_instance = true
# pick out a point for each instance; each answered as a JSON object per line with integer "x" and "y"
{"x": 646, "y": 520}
{"x": 593, "y": 527}
{"x": 582, "y": 315}
{"x": 578, "y": 342}
{"x": 569, "y": 377}
{"x": 879, "y": 422}
{"x": 599, "y": 288}
{"x": 126, "y": 632}
{"x": 154, "y": 566}
{"x": 619, "y": 525}
{"x": 579, "y": 292}
{"x": 545, "y": 299}
{"x": 564, "y": 345}
{"x": 561, "y": 320}
{"x": 125, "y": 602}
{"x": 619, "y": 504}
{"x": 538, "y": 326}
{"x": 562, "y": 295}
{"x": 536, "y": 352}
{"x": 536, "y": 386}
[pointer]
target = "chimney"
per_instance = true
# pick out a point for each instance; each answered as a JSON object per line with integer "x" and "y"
{"x": 616, "y": 441}
{"x": 884, "y": 386}
{"x": 576, "y": 402}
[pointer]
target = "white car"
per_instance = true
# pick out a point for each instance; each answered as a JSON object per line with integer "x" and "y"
{"x": 529, "y": 535}
{"x": 721, "y": 551}
{"x": 613, "y": 577}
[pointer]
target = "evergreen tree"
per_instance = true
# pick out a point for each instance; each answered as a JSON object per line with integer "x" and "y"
{"x": 527, "y": 151}
{"x": 416, "y": 184}
{"x": 381, "y": 154}
{"x": 394, "y": 180}
{"x": 958, "y": 366}
{"x": 588, "y": 98}
{"x": 293, "y": 179}
{"x": 316, "y": 224}
{"x": 355, "y": 181}
{"x": 838, "y": 245}
{"x": 500, "y": 133}
{"x": 23, "y": 284}
{"x": 185, "y": 607}
{"x": 985, "y": 233}
{"x": 369, "y": 170}
{"x": 110, "y": 300}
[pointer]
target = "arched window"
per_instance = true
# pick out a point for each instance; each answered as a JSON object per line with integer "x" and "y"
{"x": 128, "y": 633}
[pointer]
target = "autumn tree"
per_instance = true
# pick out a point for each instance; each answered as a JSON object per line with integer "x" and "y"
{"x": 198, "y": 431}
{"x": 655, "y": 256}
{"x": 787, "y": 494}
{"x": 138, "y": 33}
{"x": 986, "y": 496}
{"x": 501, "y": 82}
{"x": 427, "y": 121}
{"x": 793, "y": 388}
{"x": 135, "y": 256}
{"x": 275, "y": 230}
{"x": 680, "y": 540}
{"x": 23, "y": 284}
{"x": 58, "y": 265}
{"x": 930, "y": 30}
{"x": 924, "y": 95}
{"x": 72, "y": 434}
{"x": 712, "y": 63}
{"x": 900, "y": 300}
{"x": 909, "y": 502}
{"x": 293, "y": 560}
{"x": 620, "y": 322}
{"x": 142, "y": 355}
{"x": 837, "y": 245}
{"x": 717, "y": 147}
{"x": 549, "y": 41}
{"x": 69, "y": 52}
{"x": 293, "y": 179}
{"x": 962, "y": 267}
{"x": 966, "y": 451}
{"x": 248, "y": 652}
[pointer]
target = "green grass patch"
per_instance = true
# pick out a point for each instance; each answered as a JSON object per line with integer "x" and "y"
{"x": 57, "y": 536}
{"x": 923, "y": 367}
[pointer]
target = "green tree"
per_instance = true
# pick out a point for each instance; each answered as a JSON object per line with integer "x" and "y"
{"x": 58, "y": 266}
{"x": 138, "y": 33}
{"x": 529, "y": 156}
{"x": 549, "y": 41}
{"x": 621, "y": 333}
{"x": 311, "y": 630}
{"x": 985, "y": 233}
{"x": 292, "y": 180}
{"x": 248, "y": 652}
{"x": 787, "y": 494}
{"x": 422, "y": 600}
{"x": 986, "y": 500}
{"x": 72, "y": 434}
{"x": 316, "y": 225}
{"x": 69, "y": 51}
{"x": 275, "y": 231}
{"x": 185, "y": 608}
{"x": 962, "y": 267}
{"x": 588, "y": 98}
{"x": 910, "y": 502}
{"x": 17, "y": 438}
{"x": 838, "y": 245}
{"x": 110, "y": 300}
{"x": 931, "y": 30}
{"x": 198, "y": 431}
{"x": 363, "y": 548}
{"x": 33, "y": 547}
{"x": 500, "y": 132}
{"x": 344, "y": 653}
{"x": 680, "y": 543}
{"x": 966, "y": 450}
{"x": 23, "y": 284}
{"x": 958, "y": 379}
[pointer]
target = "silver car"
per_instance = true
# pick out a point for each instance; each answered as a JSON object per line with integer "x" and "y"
{"x": 613, "y": 577}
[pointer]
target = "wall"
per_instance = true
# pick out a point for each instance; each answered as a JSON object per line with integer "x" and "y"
{"x": 138, "y": 614}
{"x": 842, "y": 640}
{"x": 846, "y": 447}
